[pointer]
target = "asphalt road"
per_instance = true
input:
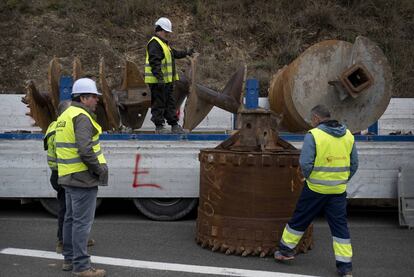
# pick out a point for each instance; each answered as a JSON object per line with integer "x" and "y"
{"x": 381, "y": 247}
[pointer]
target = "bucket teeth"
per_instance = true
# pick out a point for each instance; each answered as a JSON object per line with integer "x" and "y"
{"x": 224, "y": 248}
{"x": 264, "y": 253}
{"x": 216, "y": 246}
{"x": 204, "y": 244}
{"x": 230, "y": 250}
{"x": 247, "y": 252}
{"x": 257, "y": 251}
{"x": 239, "y": 250}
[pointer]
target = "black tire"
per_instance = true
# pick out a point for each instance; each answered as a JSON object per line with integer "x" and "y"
{"x": 52, "y": 205}
{"x": 165, "y": 209}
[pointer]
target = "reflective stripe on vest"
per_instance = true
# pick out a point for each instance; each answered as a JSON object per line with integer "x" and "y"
{"x": 51, "y": 148}
{"x": 332, "y": 162}
{"x": 166, "y": 65}
{"x": 290, "y": 237}
{"x": 342, "y": 249}
{"x": 68, "y": 159}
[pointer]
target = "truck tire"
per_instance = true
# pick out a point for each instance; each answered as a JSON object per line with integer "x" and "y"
{"x": 165, "y": 209}
{"x": 52, "y": 205}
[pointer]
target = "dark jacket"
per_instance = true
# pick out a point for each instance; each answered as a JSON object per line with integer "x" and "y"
{"x": 308, "y": 153}
{"x": 97, "y": 174}
{"x": 156, "y": 55}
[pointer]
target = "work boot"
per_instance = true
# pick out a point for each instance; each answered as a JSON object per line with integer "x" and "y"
{"x": 177, "y": 129}
{"x": 91, "y": 272}
{"x": 346, "y": 274}
{"x": 67, "y": 265}
{"x": 161, "y": 130}
{"x": 91, "y": 242}
{"x": 281, "y": 257}
{"x": 59, "y": 247}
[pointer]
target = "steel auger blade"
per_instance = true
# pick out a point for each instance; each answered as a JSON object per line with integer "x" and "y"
{"x": 40, "y": 105}
{"x": 134, "y": 97}
{"x": 202, "y": 99}
{"x": 76, "y": 69}
{"x": 53, "y": 81}
{"x": 108, "y": 100}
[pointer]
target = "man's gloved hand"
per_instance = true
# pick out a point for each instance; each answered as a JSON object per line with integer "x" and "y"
{"x": 190, "y": 51}
{"x": 103, "y": 176}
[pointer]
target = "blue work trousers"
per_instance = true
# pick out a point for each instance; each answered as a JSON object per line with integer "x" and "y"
{"x": 80, "y": 212}
{"x": 310, "y": 205}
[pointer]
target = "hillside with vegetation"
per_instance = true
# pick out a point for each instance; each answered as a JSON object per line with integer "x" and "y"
{"x": 263, "y": 34}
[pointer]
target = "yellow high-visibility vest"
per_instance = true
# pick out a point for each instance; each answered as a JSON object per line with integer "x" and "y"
{"x": 331, "y": 169}
{"x": 166, "y": 65}
{"x": 68, "y": 159}
{"x": 49, "y": 143}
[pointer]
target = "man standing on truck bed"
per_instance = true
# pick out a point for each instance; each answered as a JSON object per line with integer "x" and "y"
{"x": 160, "y": 74}
{"x": 328, "y": 160}
{"x": 81, "y": 168}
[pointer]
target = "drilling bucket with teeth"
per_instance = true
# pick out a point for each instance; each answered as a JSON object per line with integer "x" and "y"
{"x": 249, "y": 186}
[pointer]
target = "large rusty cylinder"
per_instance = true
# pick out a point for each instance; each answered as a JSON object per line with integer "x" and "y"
{"x": 246, "y": 199}
{"x": 353, "y": 80}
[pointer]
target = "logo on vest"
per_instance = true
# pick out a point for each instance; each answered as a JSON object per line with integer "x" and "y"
{"x": 330, "y": 159}
{"x": 61, "y": 124}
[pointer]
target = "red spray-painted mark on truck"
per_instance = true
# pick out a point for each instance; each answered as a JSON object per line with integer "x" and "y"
{"x": 136, "y": 171}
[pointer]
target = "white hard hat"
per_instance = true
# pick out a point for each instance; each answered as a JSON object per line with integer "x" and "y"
{"x": 165, "y": 24}
{"x": 85, "y": 85}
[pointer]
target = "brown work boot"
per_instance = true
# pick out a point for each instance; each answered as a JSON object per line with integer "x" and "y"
{"x": 91, "y": 242}
{"x": 59, "y": 247}
{"x": 67, "y": 265}
{"x": 91, "y": 272}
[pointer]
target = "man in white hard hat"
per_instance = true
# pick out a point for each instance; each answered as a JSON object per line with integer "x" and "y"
{"x": 160, "y": 74}
{"x": 81, "y": 169}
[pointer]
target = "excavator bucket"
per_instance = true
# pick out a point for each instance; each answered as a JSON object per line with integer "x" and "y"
{"x": 108, "y": 99}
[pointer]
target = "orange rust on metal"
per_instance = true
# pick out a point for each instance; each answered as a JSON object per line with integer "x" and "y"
{"x": 76, "y": 69}
{"x": 195, "y": 109}
{"x": 134, "y": 97}
{"x": 108, "y": 100}
{"x": 249, "y": 185}
{"x": 244, "y": 207}
{"x": 40, "y": 105}
{"x": 356, "y": 79}
{"x": 202, "y": 99}
{"x": 312, "y": 79}
{"x": 53, "y": 81}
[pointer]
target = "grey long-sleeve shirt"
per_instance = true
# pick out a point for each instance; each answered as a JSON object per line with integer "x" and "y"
{"x": 97, "y": 174}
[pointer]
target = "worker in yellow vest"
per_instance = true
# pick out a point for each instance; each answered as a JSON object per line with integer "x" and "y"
{"x": 160, "y": 74}
{"x": 49, "y": 146}
{"x": 328, "y": 161}
{"x": 81, "y": 169}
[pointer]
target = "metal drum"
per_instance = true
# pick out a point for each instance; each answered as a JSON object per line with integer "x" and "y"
{"x": 353, "y": 80}
{"x": 247, "y": 197}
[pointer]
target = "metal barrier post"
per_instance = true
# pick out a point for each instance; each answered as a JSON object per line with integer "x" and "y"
{"x": 65, "y": 87}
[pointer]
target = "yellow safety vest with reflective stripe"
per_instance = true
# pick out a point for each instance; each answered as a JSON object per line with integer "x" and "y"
{"x": 49, "y": 145}
{"x": 331, "y": 169}
{"x": 166, "y": 65}
{"x": 68, "y": 159}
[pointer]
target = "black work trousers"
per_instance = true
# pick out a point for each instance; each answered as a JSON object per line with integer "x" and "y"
{"x": 163, "y": 104}
{"x": 62, "y": 202}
